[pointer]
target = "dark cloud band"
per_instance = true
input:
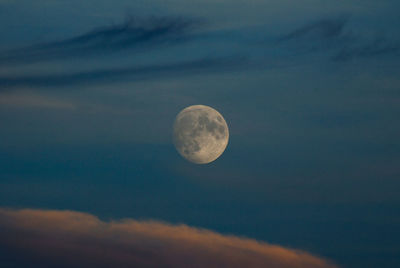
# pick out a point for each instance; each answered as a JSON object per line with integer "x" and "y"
{"x": 126, "y": 73}
{"x": 132, "y": 34}
{"x": 336, "y": 36}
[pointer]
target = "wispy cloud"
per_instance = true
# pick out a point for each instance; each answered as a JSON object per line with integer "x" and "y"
{"x": 134, "y": 33}
{"x": 377, "y": 47}
{"x": 33, "y": 101}
{"x": 333, "y": 36}
{"x": 323, "y": 29}
{"x": 71, "y": 239}
{"x": 336, "y": 36}
{"x": 124, "y": 74}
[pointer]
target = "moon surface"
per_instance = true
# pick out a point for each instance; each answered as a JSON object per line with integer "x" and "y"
{"x": 200, "y": 134}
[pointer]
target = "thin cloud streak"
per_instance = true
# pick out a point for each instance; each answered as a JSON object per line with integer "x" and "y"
{"x": 134, "y": 33}
{"x": 46, "y": 238}
{"x": 331, "y": 35}
{"x": 125, "y": 74}
{"x": 323, "y": 29}
{"x": 34, "y": 101}
{"x": 336, "y": 36}
{"x": 378, "y": 47}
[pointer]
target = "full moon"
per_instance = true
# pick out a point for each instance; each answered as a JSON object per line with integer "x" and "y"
{"x": 200, "y": 134}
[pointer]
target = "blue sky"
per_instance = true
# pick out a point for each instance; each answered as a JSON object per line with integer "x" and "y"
{"x": 310, "y": 90}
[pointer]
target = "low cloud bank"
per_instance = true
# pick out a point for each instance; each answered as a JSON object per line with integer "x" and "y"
{"x": 45, "y": 238}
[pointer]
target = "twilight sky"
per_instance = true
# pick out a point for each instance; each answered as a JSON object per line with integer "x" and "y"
{"x": 310, "y": 90}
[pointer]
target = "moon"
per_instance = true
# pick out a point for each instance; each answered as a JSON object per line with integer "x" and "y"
{"x": 200, "y": 134}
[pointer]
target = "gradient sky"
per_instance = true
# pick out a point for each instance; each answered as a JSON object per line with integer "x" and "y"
{"x": 310, "y": 90}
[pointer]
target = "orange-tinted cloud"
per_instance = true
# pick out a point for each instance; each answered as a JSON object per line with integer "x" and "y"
{"x": 45, "y": 238}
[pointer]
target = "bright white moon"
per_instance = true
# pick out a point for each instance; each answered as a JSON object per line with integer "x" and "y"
{"x": 200, "y": 134}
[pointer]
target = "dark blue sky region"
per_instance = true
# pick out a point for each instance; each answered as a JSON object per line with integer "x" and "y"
{"x": 310, "y": 90}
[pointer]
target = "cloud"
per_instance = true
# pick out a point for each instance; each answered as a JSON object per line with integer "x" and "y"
{"x": 336, "y": 36}
{"x": 327, "y": 34}
{"x": 323, "y": 29}
{"x": 377, "y": 47}
{"x": 34, "y": 101}
{"x": 134, "y": 33}
{"x": 123, "y": 74}
{"x": 45, "y": 238}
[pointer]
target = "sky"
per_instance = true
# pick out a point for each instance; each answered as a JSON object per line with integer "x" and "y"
{"x": 310, "y": 90}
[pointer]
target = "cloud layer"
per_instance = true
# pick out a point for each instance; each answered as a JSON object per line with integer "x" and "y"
{"x": 133, "y": 33}
{"x": 334, "y": 38}
{"x": 343, "y": 41}
{"x": 324, "y": 29}
{"x": 46, "y": 238}
{"x": 135, "y": 73}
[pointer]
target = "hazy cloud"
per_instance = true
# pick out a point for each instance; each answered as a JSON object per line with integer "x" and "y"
{"x": 323, "y": 29}
{"x": 134, "y": 33}
{"x": 126, "y": 73}
{"x": 34, "y": 101}
{"x": 379, "y": 46}
{"x": 337, "y": 37}
{"x": 71, "y": 239}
